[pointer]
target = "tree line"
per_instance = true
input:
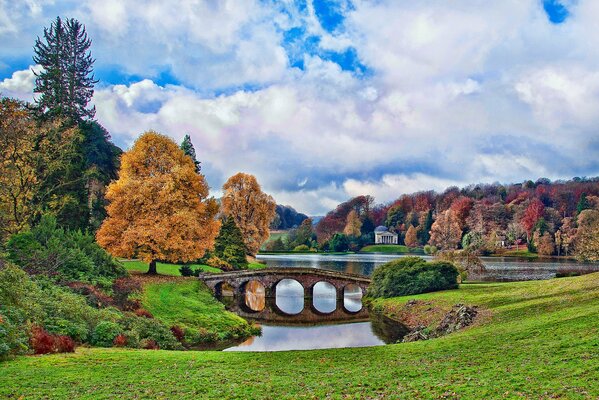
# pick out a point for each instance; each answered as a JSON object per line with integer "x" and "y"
{"x": 550, "y": 218}
{"x": 151, "y": 202}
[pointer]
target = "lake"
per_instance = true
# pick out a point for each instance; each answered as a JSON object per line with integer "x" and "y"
{"x": 496, "y": 268}
{"x": 288, "y": 323}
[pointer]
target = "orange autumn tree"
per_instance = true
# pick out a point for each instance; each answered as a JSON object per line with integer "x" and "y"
{"x": 159, "y": 207}
{"x": 251, "y": 209}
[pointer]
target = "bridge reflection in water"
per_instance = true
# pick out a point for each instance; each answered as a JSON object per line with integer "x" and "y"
{"x": 290, "y": 307}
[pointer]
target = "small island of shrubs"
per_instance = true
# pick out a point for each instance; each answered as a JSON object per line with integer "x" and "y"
{"x": 412, "y": 275}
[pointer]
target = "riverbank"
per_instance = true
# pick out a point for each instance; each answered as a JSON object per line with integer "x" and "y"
{"x": 539, "y": 341}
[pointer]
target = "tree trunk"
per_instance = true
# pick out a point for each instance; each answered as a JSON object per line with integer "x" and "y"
{"x": 152, "y": 269}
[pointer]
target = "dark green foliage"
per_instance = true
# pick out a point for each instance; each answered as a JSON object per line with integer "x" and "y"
{"x": 424, "y": 234}
{"x": 229, "y": 245}
{"x": 339, "y": 242}
{"x": 137, "y": 330}
{"x": 62, "y": 254}
{"x": 66, "y": 83}
{"x": 189, "y": 150}
{"x": 412, "y": 275}
{"x": 583, "y": 203}
{"x": 186, "y": 270}
{"x": 105, "y": 333}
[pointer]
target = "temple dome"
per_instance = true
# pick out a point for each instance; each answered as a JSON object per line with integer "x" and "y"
{"x": 381, "y": 228}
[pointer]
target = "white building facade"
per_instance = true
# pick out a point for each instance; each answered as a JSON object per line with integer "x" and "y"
{"x": 383, "y": 236}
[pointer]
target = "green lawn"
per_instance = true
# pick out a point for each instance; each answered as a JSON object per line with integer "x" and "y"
{"x": 390, "y": 248}
{"x": 539, "y": 340}
{"x": 189, "y": 304}
{"x": 173, "y": 269}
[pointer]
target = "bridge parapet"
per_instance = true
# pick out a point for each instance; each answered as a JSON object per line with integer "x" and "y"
{"x": 270, "y": 277}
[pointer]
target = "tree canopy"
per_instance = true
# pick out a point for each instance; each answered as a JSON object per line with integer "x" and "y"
{"x": 66, "y": 83}
{"x": 159, "y": 207}
{"x": 251, "y": 209}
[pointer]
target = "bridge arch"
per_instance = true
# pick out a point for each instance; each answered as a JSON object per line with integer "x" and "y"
{"x": 253, "y": 293}
{"x": 352, "y": 297}
{"x": 324, "y": 297}
{"x": 289, "y": 296}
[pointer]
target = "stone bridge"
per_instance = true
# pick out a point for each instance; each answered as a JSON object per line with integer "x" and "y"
{"x": 270, "y": 277}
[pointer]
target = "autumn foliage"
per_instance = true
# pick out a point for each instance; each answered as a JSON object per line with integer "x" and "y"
{"x": 159, "y": 207}
{"x": 251, "y": 209}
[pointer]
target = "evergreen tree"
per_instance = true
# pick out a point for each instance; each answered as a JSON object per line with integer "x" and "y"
{"x": 583, "y": 204}
{"x": 229, "y": 244}
{"x": 189, "y": 150}
{"x": 66, "y": 83}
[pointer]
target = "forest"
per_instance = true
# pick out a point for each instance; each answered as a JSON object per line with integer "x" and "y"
{"x": 545, "y": 217}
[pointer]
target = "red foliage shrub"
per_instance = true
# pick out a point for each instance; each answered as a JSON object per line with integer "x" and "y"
{"x": 149, "y": 344}
{"x": 122, "y": 288}
{"x": 64, "y": 344}
{"x": 142, "y": 312}
{"x": 120, "y": 341}
{"x": 94, "y": 296}
{"x": 178, "y": 333}
{"x": 43, "y": 342}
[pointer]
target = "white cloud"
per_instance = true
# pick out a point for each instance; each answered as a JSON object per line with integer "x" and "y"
{"x": 455, "y": 93}
{"x": 21, "y": 84}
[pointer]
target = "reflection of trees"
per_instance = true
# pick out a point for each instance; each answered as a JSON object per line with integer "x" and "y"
{"x": 386, "y": 329}
{"x": 255, "y": 297}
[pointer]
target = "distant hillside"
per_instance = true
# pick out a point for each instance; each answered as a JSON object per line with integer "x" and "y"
{"x": 541, "y": 213}
{"x": 286, "y": 218}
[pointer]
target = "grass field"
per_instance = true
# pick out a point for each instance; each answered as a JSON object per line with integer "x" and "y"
{"x": 390, "y": 248}
{"x": 173, "y": 269}
{"x": 539, "y": 340}
{"x": 189, "y": 304}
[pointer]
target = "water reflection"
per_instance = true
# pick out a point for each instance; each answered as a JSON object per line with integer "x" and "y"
{"x": 279, "y": 338}
{"x": 352, "y": 298}
{"x": 289, "y": 296}
{"x": 255, "y": 296}
{"x": 388, "y": 330}
{"x": 324, "y": 297}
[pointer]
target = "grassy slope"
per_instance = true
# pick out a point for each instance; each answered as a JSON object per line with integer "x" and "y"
{"x": 541, "y": 341}
{"x": 189, "y": 304}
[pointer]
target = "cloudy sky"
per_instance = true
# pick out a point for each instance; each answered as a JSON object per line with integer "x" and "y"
{"x": 324, "y": 100}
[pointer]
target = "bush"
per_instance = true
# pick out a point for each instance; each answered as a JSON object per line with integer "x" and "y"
{"x": 178, "y": 333}
{"x": 122, "y": 288}
{"x": 142, "y": 312}
{"x": 412, "y": 275}
{"x": 64, "y": 255}
{"x": 186, "y": 270}
{"x": 94, "y": 296}
{"x": 105, "y": 333}
{"x": 13, "y": 332}
{"x": 301, "y": 247}
{"x": 41, "y": 341}
{"x": 120, "y": 341}
{"x": 430, "y": 250}
{"x": 219, "y": 263}
{"x": 139, "y": 330}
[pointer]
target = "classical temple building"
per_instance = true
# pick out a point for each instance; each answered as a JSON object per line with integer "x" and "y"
{"x": 383, "y": 236}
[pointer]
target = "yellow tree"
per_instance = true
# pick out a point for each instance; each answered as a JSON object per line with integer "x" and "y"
{"x": 587, "y": 236}
{"x": 159, "y": 207}
{"x": 251, "y": 209}
{"x": 411, "y": 239}
{"x": 353, "y": 224}
{"x": 446, "y": 232}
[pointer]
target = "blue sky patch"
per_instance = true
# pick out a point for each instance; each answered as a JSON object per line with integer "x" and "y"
{"x": 556, "y": 11}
